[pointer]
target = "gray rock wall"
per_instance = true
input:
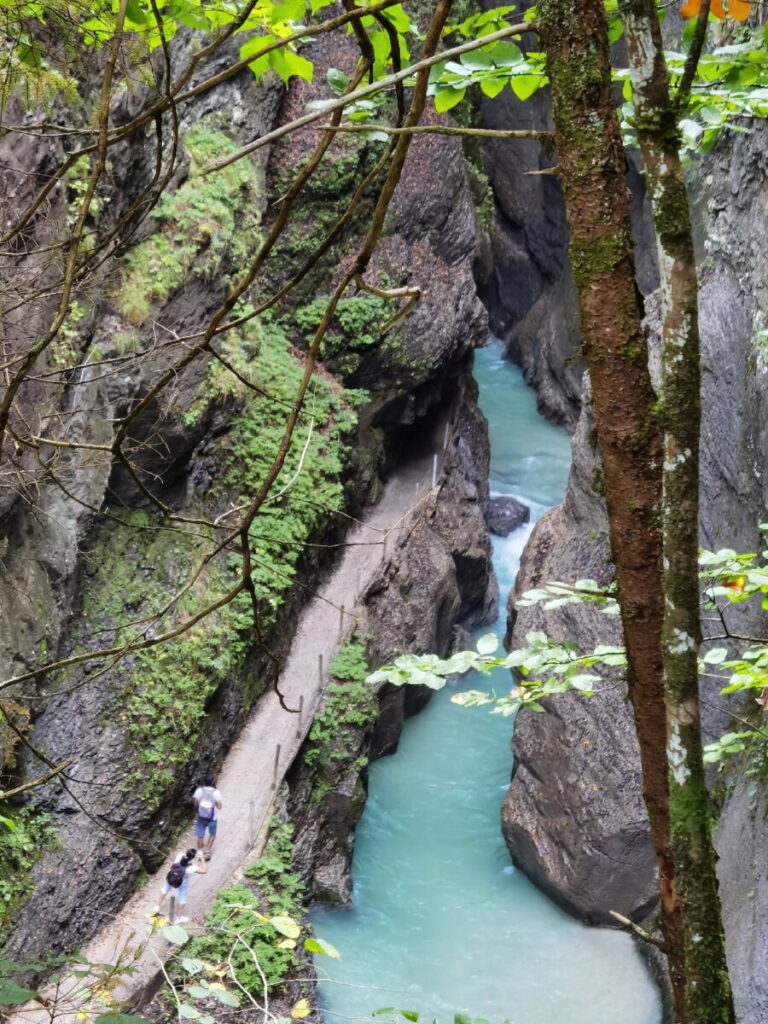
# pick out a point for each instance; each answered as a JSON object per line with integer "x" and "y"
{"x": 573, "y": 816}
{"x": 81, "y": 574}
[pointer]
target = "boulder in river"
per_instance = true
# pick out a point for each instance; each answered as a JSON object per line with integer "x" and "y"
{"x": 506, "y": 515}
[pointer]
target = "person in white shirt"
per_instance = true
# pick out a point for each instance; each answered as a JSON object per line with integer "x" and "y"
{"x": 208, "y": 800}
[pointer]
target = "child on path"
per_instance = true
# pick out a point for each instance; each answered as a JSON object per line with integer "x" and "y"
{"x": 208, "y": 800}
{"x": 177, "y": 880}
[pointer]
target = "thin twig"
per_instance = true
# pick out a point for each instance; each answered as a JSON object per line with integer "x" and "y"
{"x": 640, "y": 932}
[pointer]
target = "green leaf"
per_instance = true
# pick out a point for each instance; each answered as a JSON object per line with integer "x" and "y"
{"x": 198, "y": 992}
{"x": 492, "y": 86}
{"x": 176, "y": 934}
{"x": 445, "y": 99}
{"x": 288, "y": 10}
{"x": 191, "y": 965}
{"x": 418, "y": 677}
{"x": 409, "y": 1015}
{"x": 584, "y": 681}
{"x": 504, "y": 54}
{"x": 189, "y": 1011}
{"x": 12, "y": 994}
{"x": 189, "y": 15}
{"x": 459, "y": 663}
{"x": 337, "y": 80}
{"x": 471, "y": 698}
{"x": 286, "y": 926}
{"x": 225, "y": 997}
{"x": 487, "y": 643}
{"x": 716, "y": 656}
{"x": 261, "y": 64}
{"x": 134, "y": 13}
{"x": 319, "y": 946}
{"x": 479, "y": 60}
{"x": 288, "y": 64}
{"x": 12, "y": 966}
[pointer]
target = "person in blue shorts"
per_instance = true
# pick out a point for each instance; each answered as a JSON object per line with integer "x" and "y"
{"x": 177, "y": 880}
{"x": 208, "y": 800}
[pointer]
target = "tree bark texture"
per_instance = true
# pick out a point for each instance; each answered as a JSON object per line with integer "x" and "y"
{"x": 707, "y": 991}
{"x": 591, "y": 167}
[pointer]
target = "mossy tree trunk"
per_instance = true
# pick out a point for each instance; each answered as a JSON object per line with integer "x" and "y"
{"x": 707, "y": 992}
{"x": 591, "y": 167}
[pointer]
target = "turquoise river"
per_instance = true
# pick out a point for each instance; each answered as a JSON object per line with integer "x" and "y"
{"x": 441, "y": 922}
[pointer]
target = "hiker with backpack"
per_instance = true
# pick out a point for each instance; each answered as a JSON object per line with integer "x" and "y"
{"x": 177, "y": 880}
{"x": 208, "y": 800}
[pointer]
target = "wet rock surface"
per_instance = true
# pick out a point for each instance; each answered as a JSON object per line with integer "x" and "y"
{"x": 732, "y": 216}
{"x": 506, "y": 515}
{"x": 573, "y": 816}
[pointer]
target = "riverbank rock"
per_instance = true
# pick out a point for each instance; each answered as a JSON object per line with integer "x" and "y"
{"x": 573, "y": 817}
{"x": 506, "y": 515}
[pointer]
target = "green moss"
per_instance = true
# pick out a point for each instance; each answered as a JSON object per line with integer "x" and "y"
{"x": 65, "y": 348}
{"x": 310, "y": 484}
{"x": 633, "y": 350}
{"x": 161, "y": 703}
{"x": 480, "y": 189}
{"x": 20, "y": 848}
{"x": 349, "y": 706}
{"x": 671, "y": 217}
{"x": 594, "y": 256}
{"x": 164, "y": 695}
{"x": 207, "y": 222}
{"x": 321, "y": 202}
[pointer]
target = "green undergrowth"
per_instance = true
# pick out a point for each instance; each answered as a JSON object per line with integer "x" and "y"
{"x": 162, "y": 696}
{"x": 234, "y": 930}
{"x": 321, "y": 202}
{"x": 309, "y": 489}
{"x": 209, "y": 221}
{"x": 350, "y": 705}
{"x": 354, "y": 329}
{"x": 21, "y": 846}
{"x": 165, "y": 694}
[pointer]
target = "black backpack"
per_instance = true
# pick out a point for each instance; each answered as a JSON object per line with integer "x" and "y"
{"x": 175, "y": 876}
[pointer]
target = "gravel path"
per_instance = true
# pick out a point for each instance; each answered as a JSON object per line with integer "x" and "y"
{"x": 258, "y": 761}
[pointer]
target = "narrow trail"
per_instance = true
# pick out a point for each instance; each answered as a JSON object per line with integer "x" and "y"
{"x": 269, "y": 742}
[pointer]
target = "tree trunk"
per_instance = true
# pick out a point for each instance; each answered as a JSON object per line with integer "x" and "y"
{"x": 707, "y": 991}
{"x": 591, "y": 167}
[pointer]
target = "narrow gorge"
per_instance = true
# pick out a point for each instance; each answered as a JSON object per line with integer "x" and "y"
{"x": 247, "y": 396}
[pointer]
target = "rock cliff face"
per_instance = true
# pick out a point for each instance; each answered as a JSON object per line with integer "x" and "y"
{"x": 438, "y": 578}
{"x": 733, "y": 214}
{"x": 528, "y": 286}
{"x": 141, "y": 729}
{"x": 573, "y": 817}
